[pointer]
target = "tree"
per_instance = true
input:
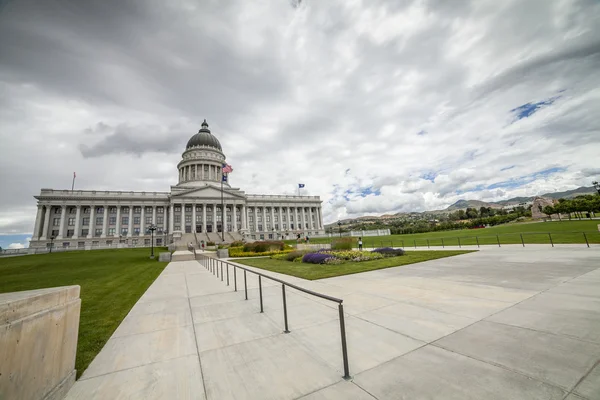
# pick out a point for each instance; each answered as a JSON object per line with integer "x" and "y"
{"x": 549, "y": 210}
{"x": 472, "y": 213}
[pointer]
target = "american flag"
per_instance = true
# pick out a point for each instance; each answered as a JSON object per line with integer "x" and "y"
{"x": 227, "y": 168}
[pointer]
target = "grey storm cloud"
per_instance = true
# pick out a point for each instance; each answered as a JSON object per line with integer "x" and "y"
{"x": 332, "y": 94}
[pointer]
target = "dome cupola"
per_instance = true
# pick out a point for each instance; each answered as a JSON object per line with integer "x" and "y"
{"x": 204, "y": 138}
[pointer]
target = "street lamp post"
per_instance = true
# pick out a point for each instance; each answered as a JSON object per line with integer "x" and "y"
{"x": 340, "y": 227}
{"x": 51, "y": 243}
{"x": 152, "y": 228}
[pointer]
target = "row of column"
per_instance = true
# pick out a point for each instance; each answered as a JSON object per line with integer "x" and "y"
{"x": 44, "y": 225}
{"x": 204, "y": 221}
{"x": 197, "y": 172}
{"x": 314, "y": 224}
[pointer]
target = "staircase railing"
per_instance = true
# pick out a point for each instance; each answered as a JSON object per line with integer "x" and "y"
{"x": 214, "y": 265}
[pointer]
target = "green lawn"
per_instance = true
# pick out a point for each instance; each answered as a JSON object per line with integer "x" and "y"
{"x": 317, "y": 271}
{"x": 111, "y": 283}
{"x": 536, "y": 232}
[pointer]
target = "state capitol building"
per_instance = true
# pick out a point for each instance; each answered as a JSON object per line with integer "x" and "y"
{"x": 98, "y": 218}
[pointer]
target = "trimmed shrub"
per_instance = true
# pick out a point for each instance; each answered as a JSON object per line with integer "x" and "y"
{"x": 342, "y": 243}
{"x": 389, "y": 252}
{"x": 237, "y": 243}
{"x": 261, "y": 247}
{"x": 210, "y": 243}
{"x": 316, "y": 258}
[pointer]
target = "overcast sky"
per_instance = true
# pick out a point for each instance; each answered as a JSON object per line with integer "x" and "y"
{"x": 376, "y": 106}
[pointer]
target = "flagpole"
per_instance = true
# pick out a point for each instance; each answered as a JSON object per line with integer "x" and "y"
{"x": 73, "y": 184}
{"x": 222, "y": 209}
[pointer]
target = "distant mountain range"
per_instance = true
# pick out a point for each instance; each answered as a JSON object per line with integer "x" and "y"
{"x": 464, "y": 204}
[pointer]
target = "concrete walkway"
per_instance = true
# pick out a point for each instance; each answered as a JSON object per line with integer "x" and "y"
{"x": 505, "y": 323}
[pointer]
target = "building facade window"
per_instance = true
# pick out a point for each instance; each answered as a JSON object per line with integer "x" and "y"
{"x": 160, "y": 210}
{"x": 99, "y": 210}
{"x": 136, "y": 220}
{"x": 71, "y": 222}
{"x": 70, "y": 233}
{"x": 72, "y": 210}
{"x": 177, "y": 208}
{"x": 56, "y": 221}
{"x": 99, "y": 220}
{"x": 86, "y": 210}
{"x": 98, "y": 232}
{"x": 177, "y": 219}
{"x": 260, "y": 229}
{"x": 136, "y": 231}
{"x": 112, "y": 210}
{"x": 148, "y": 210}
{"x": 58, "y": 210}
{"x": 111, "y": 231}
{"x": 124, "y": 231}
{"x": 268, "y": 218}
{"x": 250, "y": 218}
{"x": 55, "y": 233}
{"x": 112, "y": 220}
{"x": 149, "y": 220}
{"x": 137, "y": 210}
{"x": 177, "y": 227}
{"x": 85, "y": 232}
{"x": 125, "y": 209}
{"x": 85, "y": 221}
{"x": 124, "y": 220}
{"x": 188, "y": 208}
{"x": 160, "y": 219}
{"x": 188, "y": 219}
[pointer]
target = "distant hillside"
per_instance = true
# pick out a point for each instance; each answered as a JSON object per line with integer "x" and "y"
{"x": 463, "y": 204}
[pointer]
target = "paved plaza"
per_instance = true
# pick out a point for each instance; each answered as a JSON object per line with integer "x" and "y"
{"x": 502, "y": 323}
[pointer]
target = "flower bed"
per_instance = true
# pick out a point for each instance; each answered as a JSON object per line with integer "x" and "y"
{"x": 239, "y": 252}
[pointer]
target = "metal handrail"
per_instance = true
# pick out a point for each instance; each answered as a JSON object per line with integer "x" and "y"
{"x": 214, "y": 265}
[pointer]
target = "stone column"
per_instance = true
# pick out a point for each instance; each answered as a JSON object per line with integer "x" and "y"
{"x": 153, "y": 215}
{"x": 320, "y": 217}
{"x": 165, "y": 219}
{"x": 280, "y": 220}
{"x": 77, "y": 217}
{"x": 296, "y": 221}
{"x": 38, "y": 221}
{"x": 255, "y": 219}
{"x": 303, "y": 218}
{"x": 214, "y": 207}
{"x": 272, "y": 220}
{"x": 287, "y": 212}
{"x": 92, "y": 225}
{"x": 204, "y": 217}
{"x": 61, "y": 227}
{"x": 171, "y": 218}
{"x": 310, "y": 218}
{"x": 243, "y": 216}
{"x": 130, "y": 222}
{"x": 46, "y": 225}
{"x": 194, "y": 217}
{"x": 118, "y": 223}
{"x": 224, "y": 217}
{"x": 105, "y": 221}
{"x": 142, "y": 216}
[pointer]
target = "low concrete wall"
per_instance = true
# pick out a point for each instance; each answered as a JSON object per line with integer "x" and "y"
{"x": 38, "y": 342}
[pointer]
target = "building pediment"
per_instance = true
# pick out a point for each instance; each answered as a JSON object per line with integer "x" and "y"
{"x": 208, "y": 192}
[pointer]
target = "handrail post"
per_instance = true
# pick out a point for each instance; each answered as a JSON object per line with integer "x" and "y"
{"x": 235, "y": 277}
{"x": 498, "y": 239}
{"x": 477, "y": 240}
{"x": 284, "y": 309}
{"x": 260, "y": 292}
{"x": 344, "y": 347}
{"x": 586, "y": 241}
{"x": 245, "y": 285}
{"x": 522, "y": 241}
{"x": 220, "y": 262}
{"x": 550, "y": 236}
{"x": 221, "y": 271}
{"x": 227, "y": 274}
